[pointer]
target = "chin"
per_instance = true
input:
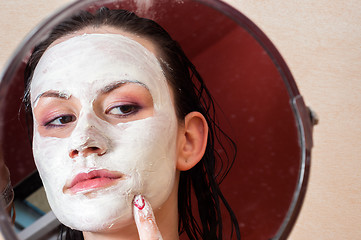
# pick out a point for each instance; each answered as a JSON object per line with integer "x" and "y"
{"x": 110, "y": 225}
{"x": 92, "y": 215}
{"x": 97, "y": 222}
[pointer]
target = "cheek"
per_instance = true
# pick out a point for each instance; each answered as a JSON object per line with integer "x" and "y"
{"x": 52, "y": 160}
{"x": 146, "y": 151}
{"x": 142, "y": 145}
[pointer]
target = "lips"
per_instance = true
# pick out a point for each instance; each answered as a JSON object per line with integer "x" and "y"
{"x": 96, "y": 179}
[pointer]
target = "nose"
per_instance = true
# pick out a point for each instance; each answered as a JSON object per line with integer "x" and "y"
{"x": 86, "y": 151}
{"x": 87, "y": 141}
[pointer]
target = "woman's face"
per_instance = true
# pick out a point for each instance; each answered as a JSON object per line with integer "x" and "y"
{"x": 105, "y": 129}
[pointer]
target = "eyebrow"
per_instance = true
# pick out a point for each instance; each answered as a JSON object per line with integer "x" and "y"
{"x": 115, "y": 85}
{"x": 108, "y": 88}
{"x": 54, "y": 94}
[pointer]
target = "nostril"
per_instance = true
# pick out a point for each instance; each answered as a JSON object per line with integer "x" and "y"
{"x": 101, "y": 152}
{"x": 74, "y": 153}
{"x": 96, "y": 150}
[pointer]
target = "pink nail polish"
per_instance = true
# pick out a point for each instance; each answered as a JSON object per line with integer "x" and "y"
{"x": 139, "y": 202}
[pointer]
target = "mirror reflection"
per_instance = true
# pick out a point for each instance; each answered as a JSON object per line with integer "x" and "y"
{"x": 126, "y": 125}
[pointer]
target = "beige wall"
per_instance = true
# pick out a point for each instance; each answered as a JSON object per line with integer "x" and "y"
{"x": 321, "y": 42}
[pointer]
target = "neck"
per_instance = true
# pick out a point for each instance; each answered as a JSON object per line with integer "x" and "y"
{"x": 166, "y": 217}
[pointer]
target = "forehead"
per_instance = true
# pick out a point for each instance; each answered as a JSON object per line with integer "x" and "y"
{"x": 92, "y": 61}
{"x": 109, "y": 30}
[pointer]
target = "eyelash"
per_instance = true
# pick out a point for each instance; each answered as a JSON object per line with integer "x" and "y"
{"x": 50, "y": 124}
{"x": 128, "y": 109}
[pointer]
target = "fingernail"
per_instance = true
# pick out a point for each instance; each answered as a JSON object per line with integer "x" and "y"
{"x": 139, "y": 202}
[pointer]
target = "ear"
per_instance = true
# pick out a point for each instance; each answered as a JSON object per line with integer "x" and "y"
{"x": 192, "y": 141}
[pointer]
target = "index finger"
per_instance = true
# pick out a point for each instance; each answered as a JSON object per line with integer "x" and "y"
{"x": 145, "y": 220}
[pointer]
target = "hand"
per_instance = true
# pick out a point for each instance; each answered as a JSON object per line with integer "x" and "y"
{"x": 144, "y": 218}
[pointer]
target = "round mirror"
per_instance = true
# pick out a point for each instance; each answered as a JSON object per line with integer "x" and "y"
{"x": 257, "y": 103}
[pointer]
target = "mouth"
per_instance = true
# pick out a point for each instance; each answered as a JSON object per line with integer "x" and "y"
{"x": 93, "y": 180}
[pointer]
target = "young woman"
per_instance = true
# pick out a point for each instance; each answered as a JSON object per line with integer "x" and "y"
{"x": 123, "y": 125}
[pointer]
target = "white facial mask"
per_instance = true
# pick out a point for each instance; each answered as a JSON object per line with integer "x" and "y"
{"x": 143, "y": 150}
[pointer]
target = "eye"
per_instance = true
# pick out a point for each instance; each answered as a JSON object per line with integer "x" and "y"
{"x": 123, "y": 110}
{"x": 60, "y": 121}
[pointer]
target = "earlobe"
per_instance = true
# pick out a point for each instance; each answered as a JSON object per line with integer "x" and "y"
{"x": 192, "y": 141}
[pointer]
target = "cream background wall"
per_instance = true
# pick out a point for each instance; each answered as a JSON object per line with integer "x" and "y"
{"x": 321, "y": 42}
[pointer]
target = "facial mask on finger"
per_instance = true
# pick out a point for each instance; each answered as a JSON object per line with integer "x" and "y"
{"x": 104, "y": 129}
